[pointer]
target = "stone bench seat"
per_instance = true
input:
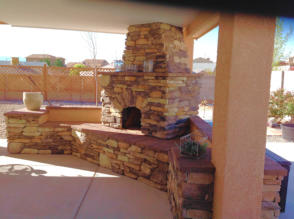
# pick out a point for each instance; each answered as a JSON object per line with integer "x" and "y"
{"x": 131, "y": 153}
{"x": 134, "y": 137}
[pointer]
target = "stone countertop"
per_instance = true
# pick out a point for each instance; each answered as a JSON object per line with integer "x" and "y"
{"x": 73, "y": 107}
{"x": 149, "y": 74}
{"x": 25, "y": 112}
{"x": 271, "y": 167}
{"x": 204, "y": 165}
{"x": 184, "y": 164}
{"x": 129, "y": 136}
{"x": 44, "y": 110}
{"x": 202, "y": 126}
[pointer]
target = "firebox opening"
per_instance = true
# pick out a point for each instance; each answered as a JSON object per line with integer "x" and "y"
{"x": 131, "y": 118}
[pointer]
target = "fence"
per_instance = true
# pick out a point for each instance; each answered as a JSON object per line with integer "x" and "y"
{"x": 206, "y": 82}
{"x": 56, "y": 83}
{"x": 285, "y": 81}
{"x": 278, "y": 80}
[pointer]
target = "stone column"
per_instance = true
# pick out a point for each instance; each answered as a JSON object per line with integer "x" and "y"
{"x": 245, "y": 53}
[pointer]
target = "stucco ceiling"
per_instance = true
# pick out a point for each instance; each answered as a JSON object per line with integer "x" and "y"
{"x": 90, "y": 15}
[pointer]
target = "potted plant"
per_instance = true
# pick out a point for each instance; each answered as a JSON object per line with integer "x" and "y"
{"x": 288, "y": 127}
{"x": 281, "y": 110}
{"x": 192, "y": 149}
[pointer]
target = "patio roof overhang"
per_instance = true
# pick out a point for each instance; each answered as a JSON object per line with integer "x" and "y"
{"x": 90, "y": 15}
{"x": 245, "y": 51}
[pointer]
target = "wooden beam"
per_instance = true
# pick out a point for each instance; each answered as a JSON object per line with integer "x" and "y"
{"x": 203, "y": 23}
{"x": 189, "y": 41}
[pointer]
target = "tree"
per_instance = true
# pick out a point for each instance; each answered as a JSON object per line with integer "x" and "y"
{"x": 76, "y": 69}
{"x": 281, "y": 38}
{"x": 90, "y": 39}
{"x": 58, "y": 63}
{"x": 48, "y": 62}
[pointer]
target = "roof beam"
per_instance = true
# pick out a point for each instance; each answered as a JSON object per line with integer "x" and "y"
{"x": 203, "y": 23}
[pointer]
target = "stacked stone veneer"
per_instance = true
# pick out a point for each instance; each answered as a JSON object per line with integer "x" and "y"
{"x": 127, "y": 157}
{"x": 160, "y": 42}
{"x": 30, "y": 133}
{"x": 190, "y": 183}
{"x": 137, "y": 156}
{"x": 270, "y": 195}
{"x": 166, "y": 102}
{"x": 167, "y": 97}
{"x": 190, "y": 186}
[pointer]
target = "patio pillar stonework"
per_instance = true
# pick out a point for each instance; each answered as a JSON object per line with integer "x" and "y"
{"x": 245, "y": 53}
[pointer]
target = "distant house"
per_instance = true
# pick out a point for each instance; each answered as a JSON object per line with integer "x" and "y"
{"x": 16, "y": 67}
{"x": 291, "y": 63}
{"x": 202, "y": 60}
{"x": 42, "y": 57}
{"x": 283, "y": 65}
{"x": 114, "y": 64}
{"x": 72, "y": 64}
{"x": 92, "y": 63}
{"x": 203, "y": 65}
{"x": 21, "y": 63}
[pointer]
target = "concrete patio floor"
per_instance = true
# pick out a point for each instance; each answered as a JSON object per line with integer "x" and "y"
{"x": 63, "y": 186}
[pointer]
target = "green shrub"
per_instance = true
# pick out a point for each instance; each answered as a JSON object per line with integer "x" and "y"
{"x": 281, "y": 104}
{"x": 48, "y": 62}
{"x": 58, "y": 63}
{"x": 76, "y": 69}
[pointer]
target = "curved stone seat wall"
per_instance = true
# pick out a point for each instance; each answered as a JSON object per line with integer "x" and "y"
{"x": 135, "y": 155}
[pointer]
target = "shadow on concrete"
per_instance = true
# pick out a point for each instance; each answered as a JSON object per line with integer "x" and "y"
{"x": 20, "y": 170}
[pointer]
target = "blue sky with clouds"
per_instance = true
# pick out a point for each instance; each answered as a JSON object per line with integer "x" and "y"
{"x": 287, "y": 22}
{"x": 21, "y": 42}
{"x": 206, "y": 46}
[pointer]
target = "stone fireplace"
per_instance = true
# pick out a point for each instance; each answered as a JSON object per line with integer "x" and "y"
{"x": 131, "y": 118}
{"x": 159, "y": 102}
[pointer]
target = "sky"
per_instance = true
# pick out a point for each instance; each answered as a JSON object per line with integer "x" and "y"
{"x": 21, "y": 42}
{"x": 287, "y": 22}
{"x": 206, "y": 46}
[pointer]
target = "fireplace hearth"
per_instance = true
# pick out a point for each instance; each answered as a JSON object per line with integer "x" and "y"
{"x": 131, "y": 118}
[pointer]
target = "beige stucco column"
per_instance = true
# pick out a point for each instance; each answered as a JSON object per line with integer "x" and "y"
{"x": 245, "y": 51}
{"x": 189, "y": 42}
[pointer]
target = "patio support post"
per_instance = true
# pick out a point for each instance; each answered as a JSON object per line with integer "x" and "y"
{"x": 245, "y": 53}
{"x": 45, "y": 81}
{"x": 189, "y": 41}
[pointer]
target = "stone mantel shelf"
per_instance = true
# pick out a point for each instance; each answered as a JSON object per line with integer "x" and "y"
{"x": 73, "y": 107}
{"x": 24, "y": 112}
{"x": 142, "y": 74}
